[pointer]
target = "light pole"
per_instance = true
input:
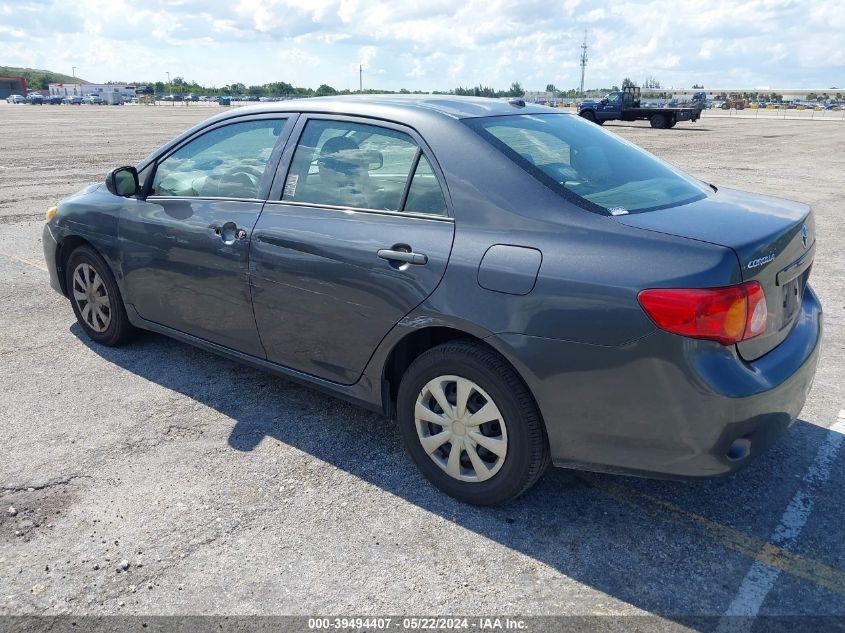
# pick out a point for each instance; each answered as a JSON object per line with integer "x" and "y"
{"x": 169, "y": 86}
{"x": 74, "y": 80}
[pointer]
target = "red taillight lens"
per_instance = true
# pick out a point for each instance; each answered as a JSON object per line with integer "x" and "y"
{"x": 728, "y": 315}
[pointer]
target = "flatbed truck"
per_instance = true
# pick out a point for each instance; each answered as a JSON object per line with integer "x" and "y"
{"x": 624, "y": 105}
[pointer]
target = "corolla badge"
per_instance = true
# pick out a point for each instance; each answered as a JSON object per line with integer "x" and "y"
{"x": 804, "y": 235}
{"x": 754, "y": 263}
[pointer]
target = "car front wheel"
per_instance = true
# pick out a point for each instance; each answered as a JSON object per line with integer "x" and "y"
{"x": 471, "y": 425}
{"x": 96, "y": 298}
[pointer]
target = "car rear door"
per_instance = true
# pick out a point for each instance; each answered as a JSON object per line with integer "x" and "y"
{"x": 185, "y": 246}
{"x": 356, "y": 233}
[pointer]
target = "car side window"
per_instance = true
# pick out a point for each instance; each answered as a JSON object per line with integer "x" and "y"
{"x": 346, "y": 164}
{"x": 227, "y": 162}
{"x": 424, "y": 194}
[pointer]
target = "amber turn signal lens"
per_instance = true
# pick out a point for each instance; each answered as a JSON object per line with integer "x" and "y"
{"x": 51, "y": 213}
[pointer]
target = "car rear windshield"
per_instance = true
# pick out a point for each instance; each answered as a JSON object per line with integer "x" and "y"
{"x": 588, "y": 165}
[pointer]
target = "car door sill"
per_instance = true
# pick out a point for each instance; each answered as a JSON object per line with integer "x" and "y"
{"x": 358, "y": 393}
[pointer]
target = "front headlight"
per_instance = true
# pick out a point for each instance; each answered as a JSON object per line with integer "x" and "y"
{"x": 51, "y": 213}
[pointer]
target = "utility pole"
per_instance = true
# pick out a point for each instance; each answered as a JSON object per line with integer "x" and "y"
{"x": 74, "y": 81}
{"x": 360, "y": 78}
{"x": 583, "y": 61}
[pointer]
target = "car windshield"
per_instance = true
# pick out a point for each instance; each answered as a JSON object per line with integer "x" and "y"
{"x": 595, "y": 169}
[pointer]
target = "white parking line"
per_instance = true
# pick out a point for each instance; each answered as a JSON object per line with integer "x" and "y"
{"x": 760, "y": 579}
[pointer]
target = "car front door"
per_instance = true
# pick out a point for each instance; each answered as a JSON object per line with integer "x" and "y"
{"x": 185, "y": 246}
{"x": 354, "y": 236}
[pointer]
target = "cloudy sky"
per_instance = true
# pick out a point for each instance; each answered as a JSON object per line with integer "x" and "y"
{"x": 432, "y": 44}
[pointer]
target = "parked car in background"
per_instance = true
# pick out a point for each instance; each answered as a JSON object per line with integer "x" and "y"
{"x": 72, "y": 100}
{"x": 15, "y": 99}
{"x": 516, "y": 285}
{"x": 35, "y": 98}
{"x": 54, "y": 100}
{"x": 93, "y": 100}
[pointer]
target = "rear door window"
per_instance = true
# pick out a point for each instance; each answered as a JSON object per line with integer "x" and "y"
{"x": 361, "y": 166}
{"x": 425, "y": 194}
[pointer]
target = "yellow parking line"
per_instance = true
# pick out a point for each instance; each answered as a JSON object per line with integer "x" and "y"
{"x": 757, "y": 549}
{"x": 23, "y": 260}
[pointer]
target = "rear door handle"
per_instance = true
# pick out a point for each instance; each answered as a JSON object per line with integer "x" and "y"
{"x": 407, "y": 257}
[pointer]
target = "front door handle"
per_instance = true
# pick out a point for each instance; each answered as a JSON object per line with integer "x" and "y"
{"x": 406, "y": 257}
{"x": 229, "y": 232}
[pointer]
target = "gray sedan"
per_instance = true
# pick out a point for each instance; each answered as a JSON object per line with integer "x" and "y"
{"x": 515, "y": 285}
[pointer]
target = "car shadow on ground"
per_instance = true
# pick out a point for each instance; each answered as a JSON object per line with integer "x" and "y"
{"x": 675, "y": 549}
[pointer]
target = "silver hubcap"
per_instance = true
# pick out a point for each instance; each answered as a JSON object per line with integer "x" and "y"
{"x": 91, "y": 298}
{"x": 461, "y": 428}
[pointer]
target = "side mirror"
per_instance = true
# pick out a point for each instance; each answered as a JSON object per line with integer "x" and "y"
{"x": 122, "y": 181}
{"x": 604, "y": 101}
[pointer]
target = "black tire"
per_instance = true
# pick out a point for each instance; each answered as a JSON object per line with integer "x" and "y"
{"x": 527, "y": 455}
{"x": 119, "y": 330}
{"x": 671, "y": 123}
{"x": 658, "y": 121}
{"x": 589, "y": 115}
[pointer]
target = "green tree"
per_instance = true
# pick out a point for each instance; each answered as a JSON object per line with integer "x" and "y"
{"x": 551, "y": 88}
{"x": 697, "y": 87}
{"x": 516, "y": 90}
{"x": 627, "y": 82}
{"x": 279, "y": 88}
{"x": 325, "y": 90}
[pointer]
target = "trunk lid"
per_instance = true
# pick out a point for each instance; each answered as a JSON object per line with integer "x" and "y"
{"x": 774, "y": 241}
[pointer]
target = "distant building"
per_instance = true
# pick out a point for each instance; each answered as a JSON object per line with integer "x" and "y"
{"x": 82, "y": 90}
{"x": 789, "y": 94}
{"x": 12, "y": 86}
{"x": 540, "y": 96}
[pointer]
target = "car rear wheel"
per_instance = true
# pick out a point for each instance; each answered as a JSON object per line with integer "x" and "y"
{"x": 471, "y": 425}
{"x": 658, "y": 121}
{"x": 96, "y": 299}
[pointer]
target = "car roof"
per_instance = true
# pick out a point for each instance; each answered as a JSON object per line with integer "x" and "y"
{"x": 391, "y": 105}
{"x": 418, "y": 111}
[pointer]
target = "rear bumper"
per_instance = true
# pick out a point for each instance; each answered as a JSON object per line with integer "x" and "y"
{"x": 665, "y": 405}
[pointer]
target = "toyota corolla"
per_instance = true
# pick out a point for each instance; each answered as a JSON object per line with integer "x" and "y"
{"x": 514, "y": 285}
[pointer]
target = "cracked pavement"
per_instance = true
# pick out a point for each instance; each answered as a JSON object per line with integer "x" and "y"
{"x": 229, "y": 491}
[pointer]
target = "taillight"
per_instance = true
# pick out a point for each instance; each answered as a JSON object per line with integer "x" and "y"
{"x": 728, "y": 315}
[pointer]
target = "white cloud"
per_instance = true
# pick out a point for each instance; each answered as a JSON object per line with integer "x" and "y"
{"x": 433, "y": 44}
